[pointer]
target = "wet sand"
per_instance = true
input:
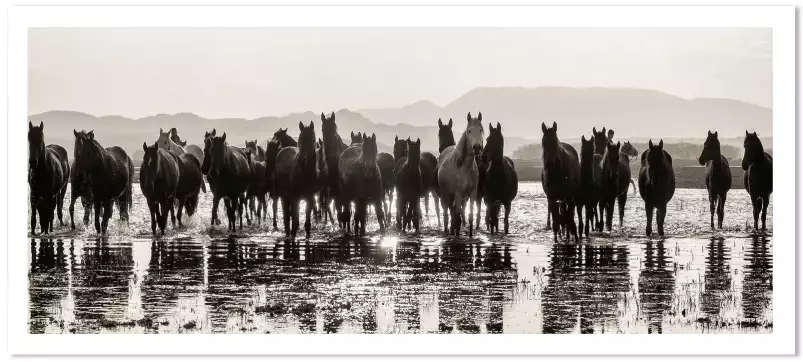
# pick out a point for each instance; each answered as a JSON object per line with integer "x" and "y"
{"x": 198, "y": 280}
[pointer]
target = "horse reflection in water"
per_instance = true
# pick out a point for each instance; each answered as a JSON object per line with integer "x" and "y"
{"x": 656, "y": 286}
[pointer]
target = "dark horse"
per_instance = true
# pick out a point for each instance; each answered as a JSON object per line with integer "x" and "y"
{"x": 656, "y": 182}
{"x": 280, "y": 140}
{"x": 48, "y": 172}
{"x": 561, "y": 177}
{"x": 333, "y": 147}
{"x": 296, "y": 178}
{"x": 590, "y": 163}
{"x": 501, "y": 180}
{"x": 213, "y": 183}
{"x": 190, "y": 185}
{"x": 361, "y": 182}
{"x": 230, "y": 168}
{"x": 409, "y": 182}
{"x": 717, "y": 176}
{"x": 158, "y": 179}
{"x": 109, "y": 173}
{"x": 257, "y": 152}
{"x": 757, "y": 165}
{"x": 386, "y": 165}
{"x": 445, "y": 140}
{"x": 613, "y": 183}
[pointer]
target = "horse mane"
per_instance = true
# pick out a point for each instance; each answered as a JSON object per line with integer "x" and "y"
{"x": 462, "y": 151}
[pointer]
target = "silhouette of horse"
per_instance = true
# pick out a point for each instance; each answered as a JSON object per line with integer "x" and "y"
{"x": 158, "y": 178}
{"x": 590, "y": 170}
{"x": 757, "y": 177}
{"x": 361, "y": 182}
{"x": 501, "y": 179}
{"x": 213, "y": 182}
{"x": 256, "y": 150}
{"x": 259, "y": 188}
{"x": 280, "y": 140}
{"x": 190, "y": 184}
{"x": 296, "y": 178}
{"x": 656, "y": 182}
{"x": 409, "y": 183}
{"x": 429, "y": 180}
{"x": 48, "y": 173}
{"x": 613, "y": 183}
{"x": 167, "y": 141}
{"x": 717, "y": 176}
{"x": 386, "y": 165}
{"x": 229, "y": 166}
{"x": 561, "y": 177}
{"x": 79, "y": 187}
{"x": 458, "y": 175}
{"x": 175, "y": 138}
{"x": 445, "y": 135}
{"x": 323, "y": 209}
{"x": 333, "y": 147}
{"x": 110, "y": 174}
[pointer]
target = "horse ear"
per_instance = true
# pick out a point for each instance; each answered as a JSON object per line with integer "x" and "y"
{"x": 223, "y": 137}
{"x": 418, "y": 141}
{"x": 650, "y": 144}
{"x": 709, "y": 132}
{"x": 300, "y": 126}
{"x": 583, "y": 138}
{"x": 352, "y": 134}
{"x": 311, "y": 125}
{"x": 716, "y": 133}
{"x": 74, "y": 132}
{"x": 397, "y": 137}
{"x": 543, "y": 127}
{"x": 490, "y": 126}
{"x": 373, "y": 137}
{"x": 440, "y": 123}
{"x": 618, "y": 144}
{"x": 479, "y": 116}
{"x": 661, "y": 144}
{"x": 333, "y": 116}
{"x": 41, "y": 126}
{"x": 323, "y": 117}
{"x": 594, "y": 130}
{"x": 214, "y": 132}
{"x": 92, "y": 134}
{"x": 160, "y": 131}
{"x": 468, "y": 117}
{"x": 498, "y": 127}
{"x": 746, "y": 133}
{"x": 144, "y": 146}
{"x": 554, "y": 126}
{"x": 450, "y": 123}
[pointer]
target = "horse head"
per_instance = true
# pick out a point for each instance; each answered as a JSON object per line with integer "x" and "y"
{"x": 656, "y": 162}
{"x": 150, "y": 162}
{"x": 217, "y": 154}
{"x": 550, "y": 144}
{"x": 251, "y": 146}
{"x": 36, "y": 144}
{"x": 369, "y": 152}
{"x": 285, "y": 140}
{"x": 306, "y": 143}
{"x": 81, "y": 139}
{"x": 399, "y": 148}
{"x": 356, "y": 139}
{"x": 474, "y": 134}
{"x": 207, "y": 148}
{"x": 445, "y": 135}
{"x": 629, "y": 150}
{"x": 611, "y": 156}
{"x": 753, "y": 150}
{"x": 711, "y": 150}
{"x": 414, "y": 151}
{"x": 600, "y": 140}
{"x": 587, "y": 149}
{"x": 494, "y": 144}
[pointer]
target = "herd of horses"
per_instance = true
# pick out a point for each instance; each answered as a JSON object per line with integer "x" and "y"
{"x": 339, "y": 180}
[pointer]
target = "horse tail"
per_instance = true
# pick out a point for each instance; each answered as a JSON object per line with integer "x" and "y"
{"x": 203, "y": 185}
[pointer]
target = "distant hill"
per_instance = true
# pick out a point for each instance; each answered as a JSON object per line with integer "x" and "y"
{"x": 130, "y": 133}
{"x": 631, "y": 112}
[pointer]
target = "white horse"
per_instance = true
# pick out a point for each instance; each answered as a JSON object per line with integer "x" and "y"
{"x": 165, "y": 142}
{"x": 458, "y": 175}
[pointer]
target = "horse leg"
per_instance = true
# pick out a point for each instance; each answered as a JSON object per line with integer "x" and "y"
{"x": 165, "y": 209}
{"x": 712, "y": 202}
{"x": 215, "y": 202}
{"x": 34, "y": 210}
{"x": 756, "y": 211}
{"x": 437, "y": 207}
{"x": 445, "y": 207}
{"x": 286, "y": 215}
{"x": 180, "y": 211}
{"x": 765, "y": 202}
{"x": 572, "y": 227}
{"x": 648, "y": 207}
{"x": 294, "y": 205}
{"x": 399, "y": 213}
{"x": 507, "y": 216}
{"x": 153, "y": 212}
{"x": 622, "y": 201}
{"x": 580, "y": 220}
{"x": 275, "y": 211}
{"x": 661, "y": 217}
{"x": 310, "y": 205}
{"x": 553, "y": 210}
{"x": 72, "y": 210}
{"x": 473, "y": 200}
{"x": 609, "y": 214}
{"x": 60, "y": 205}
{"x": 107, "y": 214}
{"x": 380, "y": 216}
{"x": 417, "y": 216}
{"x": 86, "y": 202}
{"x": 172, "y": 204}
{"x": 98, "y": 208}
{"x": 721, "y": 209}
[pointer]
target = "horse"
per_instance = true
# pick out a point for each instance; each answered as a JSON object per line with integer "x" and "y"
{"x": 259, "y": 187}
{"x": 631, "y": 153}
{"x": 613, "y": 183}
{"x": 333, "y": 147}
{"x": 256, "y": 150}
{"x": 280, "y": 140}
{"x": 190, "y": 184}
{"x": 717, "y": 176}
{"x": 757, "y": 165}
{"x": 561, "y": 177}
{"x": 356, "y": 139}
{"x": 296, "y": 178}
{"x": 361, "y": 182}
{"x": 48, "y": 173}
{"x": 501, "y": 179}
{"x": 79, "y": 187}
{"x": 656, "y": 183}
{"x": 229, "y": 166}
{"x": 386, "y": 164}
{"x": 109, "y": 173}
{"x": 213, "y": 182}
{"x": 409, "y": 182}
{"x": 323, "y": 209}
{"x": 284, "y": 139}
{"x": 175, "y": 138}
{"x": 168, "y": 142}
{"x": 429, "y": 180}
{"x": 158, "y": 179}
{"x": 458, "y": 175}
{"x": 589, "y": 172}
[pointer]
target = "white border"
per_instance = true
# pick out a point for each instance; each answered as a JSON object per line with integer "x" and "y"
{"x": 780, "y": 18}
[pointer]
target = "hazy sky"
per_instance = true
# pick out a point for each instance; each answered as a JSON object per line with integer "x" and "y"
{"x": 252, "y": 72}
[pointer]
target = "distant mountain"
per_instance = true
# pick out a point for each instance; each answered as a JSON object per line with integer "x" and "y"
{"x": 631, "y": 112}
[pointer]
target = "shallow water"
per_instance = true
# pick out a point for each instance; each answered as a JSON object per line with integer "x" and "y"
{"x": 198, "y": 280}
